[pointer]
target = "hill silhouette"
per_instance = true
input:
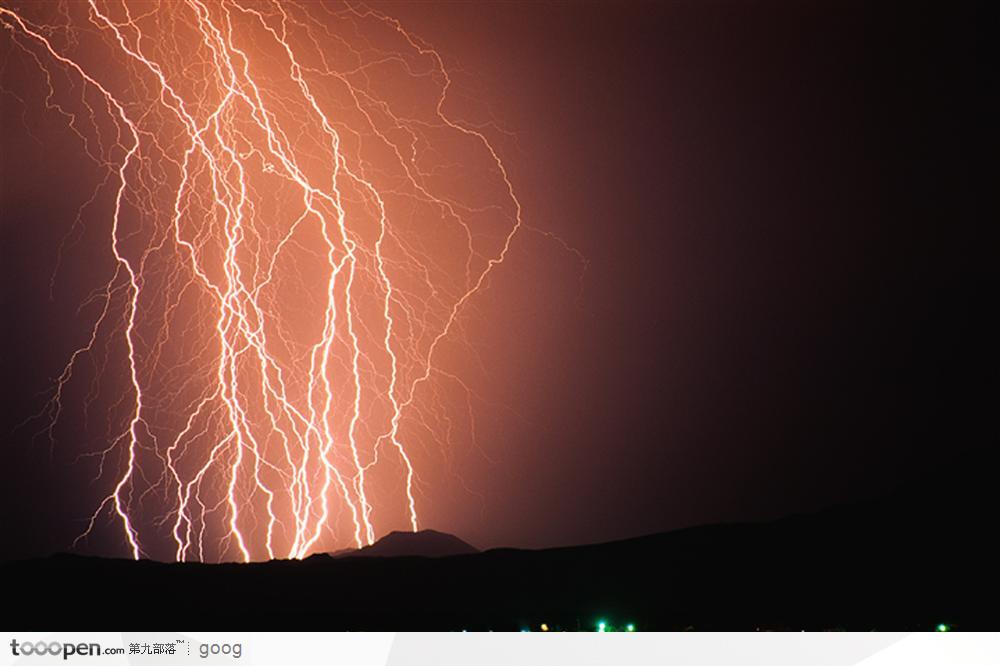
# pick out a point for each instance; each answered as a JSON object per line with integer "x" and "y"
{"x": 424, "y": 543}
{"x": 921, "y": 556}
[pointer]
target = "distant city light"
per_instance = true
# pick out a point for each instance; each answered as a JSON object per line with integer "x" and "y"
{"x": 545, "y": 627}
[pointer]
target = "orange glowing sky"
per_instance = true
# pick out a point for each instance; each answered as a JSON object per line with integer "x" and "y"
{"x": 295, "y": 225}
{"x": 249, "y": 268}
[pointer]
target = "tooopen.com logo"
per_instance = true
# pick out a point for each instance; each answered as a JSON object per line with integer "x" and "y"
{"x": 55, "y": 648}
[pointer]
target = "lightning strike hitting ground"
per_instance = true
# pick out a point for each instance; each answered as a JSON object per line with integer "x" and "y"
{"x": 295, "y": 226}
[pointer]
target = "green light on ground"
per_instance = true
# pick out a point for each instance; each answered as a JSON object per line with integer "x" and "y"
{"x": 629, "y": 627}
{"x": 602, "y": 626}
{"x": 942, "y": 627}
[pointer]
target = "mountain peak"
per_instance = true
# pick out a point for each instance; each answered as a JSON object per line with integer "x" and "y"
{"x": 423, "y": 543}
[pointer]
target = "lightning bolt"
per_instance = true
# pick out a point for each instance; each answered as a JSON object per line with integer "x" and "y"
{"x": 293, "y": 238}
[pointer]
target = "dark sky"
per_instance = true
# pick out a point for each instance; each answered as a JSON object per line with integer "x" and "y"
{"x": 781, "y": 205}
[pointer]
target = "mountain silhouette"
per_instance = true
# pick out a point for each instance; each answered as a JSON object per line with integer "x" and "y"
{"x": 922, "y": 555}
{"x": 425, "y": 543}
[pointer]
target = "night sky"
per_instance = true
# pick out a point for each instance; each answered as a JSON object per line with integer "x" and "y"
{"x": 781, "y": 206}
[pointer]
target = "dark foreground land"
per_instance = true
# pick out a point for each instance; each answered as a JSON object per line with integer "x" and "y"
{"x": 923, "y": 556}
